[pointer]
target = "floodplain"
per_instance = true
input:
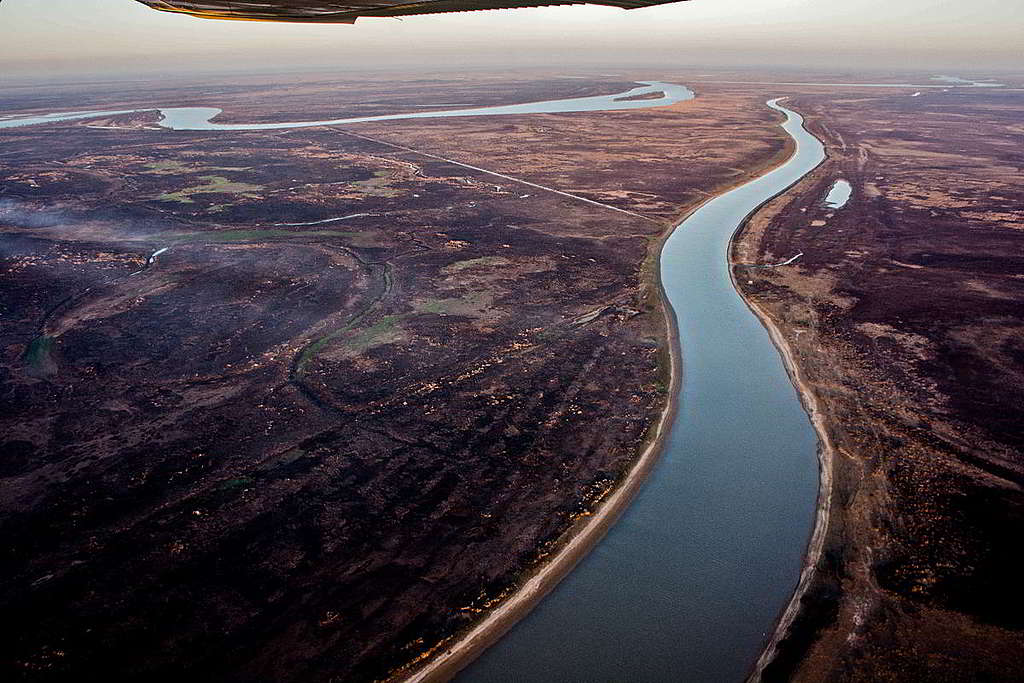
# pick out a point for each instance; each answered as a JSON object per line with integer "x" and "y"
{"x": 361, "y": 364}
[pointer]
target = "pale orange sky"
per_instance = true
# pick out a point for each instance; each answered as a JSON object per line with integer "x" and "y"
{"x": 53, "y": 36}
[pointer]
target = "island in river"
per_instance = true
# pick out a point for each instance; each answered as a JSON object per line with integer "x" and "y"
{"x": 305, "y": 404}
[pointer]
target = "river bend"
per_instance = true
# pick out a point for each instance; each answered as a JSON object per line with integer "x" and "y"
{"x": 652, "y": 94}
{"x": 688, "y": 584}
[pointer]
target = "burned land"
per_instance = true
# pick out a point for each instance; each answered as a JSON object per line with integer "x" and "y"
{"x": 301, "y": 405}
{"x": 904, "y": 314}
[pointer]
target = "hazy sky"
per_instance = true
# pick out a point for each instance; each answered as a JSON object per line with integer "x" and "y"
{"x": 62, "y": 36}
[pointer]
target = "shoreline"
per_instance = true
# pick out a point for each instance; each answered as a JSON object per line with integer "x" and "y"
{"x": 823, "y": 510}
{"x": 826, "y": 448}
{"x": 544, "y": 579}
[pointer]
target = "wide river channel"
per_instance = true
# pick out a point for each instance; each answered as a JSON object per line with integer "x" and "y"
{"x": 688, "y": 584}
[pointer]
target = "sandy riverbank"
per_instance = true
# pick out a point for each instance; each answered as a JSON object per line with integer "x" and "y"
{"x": 826, "y": 455}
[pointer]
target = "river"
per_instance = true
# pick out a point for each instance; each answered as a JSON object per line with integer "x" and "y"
{"x": 201, "y": 118}
{"x": 689, "y": 582}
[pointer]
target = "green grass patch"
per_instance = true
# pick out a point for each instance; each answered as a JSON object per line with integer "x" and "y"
{"x": 175, "y": 167}
{"x": 386, "y": 330}
{"x": 238, "y": 483}
{"x": 213, "y": 184}
{"x": 476, "y": 263}
{"x": 473, "y": 304}
{"x": 437, "y": 305}
{"x": 379, "y": 185}
{"x": 38, "y": 354}
{"x": 166, "y": 166}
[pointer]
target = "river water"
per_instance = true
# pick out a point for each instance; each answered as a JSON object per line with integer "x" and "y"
{"x": 200, "y": 118}
{"x": 688, "y": 583}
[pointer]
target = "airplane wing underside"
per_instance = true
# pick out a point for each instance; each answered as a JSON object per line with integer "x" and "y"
{"x": 347, "y": 11}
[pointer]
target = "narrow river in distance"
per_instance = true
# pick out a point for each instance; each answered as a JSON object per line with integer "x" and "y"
{"x": 688, "y": 584}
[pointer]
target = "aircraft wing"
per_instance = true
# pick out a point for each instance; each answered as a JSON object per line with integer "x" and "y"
{"x": 347, "y": 11}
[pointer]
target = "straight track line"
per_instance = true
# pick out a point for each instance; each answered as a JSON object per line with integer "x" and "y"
{"x": 499, "y": 175}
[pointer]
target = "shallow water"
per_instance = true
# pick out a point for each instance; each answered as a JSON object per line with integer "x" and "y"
{"x": 687, "y": 585}
{"x": 838, "y": 194}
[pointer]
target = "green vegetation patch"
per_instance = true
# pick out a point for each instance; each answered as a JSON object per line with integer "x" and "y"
{"x": 237, "y": 483}
{"x": 475, "y": 304}
{"x": 483, "y": 261}
{"x": 213, "y": 184}
{"x": 167, "y": 167}
{"x": 175, "y": 167}
{"x": 379, "y": 185}
{"x": 385, "y": 331}
{"x": 38, "y": 354}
